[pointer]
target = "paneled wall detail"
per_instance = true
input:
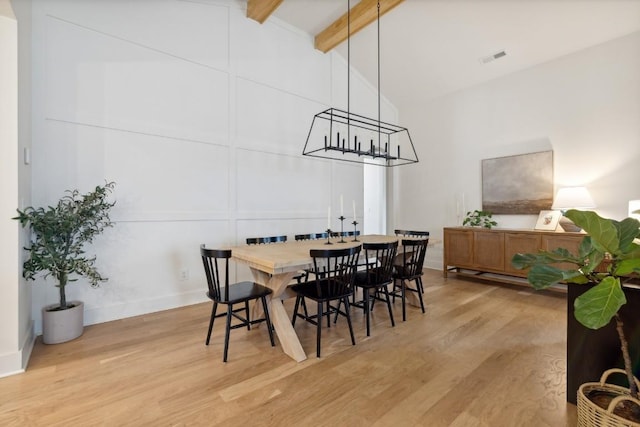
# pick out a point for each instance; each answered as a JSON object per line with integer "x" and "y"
{"x": 200, "y": 116}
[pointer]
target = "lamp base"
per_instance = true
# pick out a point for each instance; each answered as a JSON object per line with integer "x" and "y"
{"x": 568, "y": 225}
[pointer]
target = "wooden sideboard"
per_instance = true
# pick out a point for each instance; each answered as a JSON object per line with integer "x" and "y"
{"x": 486, "y": 253}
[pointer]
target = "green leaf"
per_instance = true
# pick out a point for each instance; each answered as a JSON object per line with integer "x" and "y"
{"x": 522, "y": 261}
{"x": 603, "y": 232}
{"x": 543, "y": 276}
{"x": 628, "y": 266}
{"x": 595, "y": 308}
{"x": 586, "y": 247}
{"x": 628, "y": 230}
{"x": 592, "y": 261}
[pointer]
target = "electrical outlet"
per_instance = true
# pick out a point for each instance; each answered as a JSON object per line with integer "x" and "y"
{"x": 184, "y": 275}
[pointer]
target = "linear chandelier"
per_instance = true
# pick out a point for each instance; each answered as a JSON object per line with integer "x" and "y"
{"x": 341, "y": 135}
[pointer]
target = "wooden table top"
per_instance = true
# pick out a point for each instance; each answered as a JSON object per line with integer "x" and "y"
{"x": 276, "y": 258}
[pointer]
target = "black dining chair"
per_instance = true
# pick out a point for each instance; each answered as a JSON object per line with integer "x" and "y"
{"x": 408, "y": 268}
{"x": 376, "y": 278}
{"x": 311, "y": 236}
{"x": 412, "y": 233}
{"x": 265, "y": 240}
{"x": 415, "y": 234}
{"x": 344, "y": 233}
{"x": 216, "y": 262}
{"x": 334, "y": 272}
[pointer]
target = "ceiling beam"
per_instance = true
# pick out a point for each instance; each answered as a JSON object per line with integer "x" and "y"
{"x": 259, "y": 10}
{"x": 362, "y": 15}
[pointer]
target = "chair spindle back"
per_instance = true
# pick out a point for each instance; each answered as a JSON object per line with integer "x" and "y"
{"x": 334, "y": 269}
{"x": 210, "y": 259}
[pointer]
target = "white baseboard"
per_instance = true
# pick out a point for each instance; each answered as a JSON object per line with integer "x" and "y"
{"x": 16, "y": 362}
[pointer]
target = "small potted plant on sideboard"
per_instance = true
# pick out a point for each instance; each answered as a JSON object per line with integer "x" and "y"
{"x": 479, "y": 218}
{"x": 59, "y": 235}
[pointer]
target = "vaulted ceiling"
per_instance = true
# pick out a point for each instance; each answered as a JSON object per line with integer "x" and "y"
{"x": 433, "y": 47}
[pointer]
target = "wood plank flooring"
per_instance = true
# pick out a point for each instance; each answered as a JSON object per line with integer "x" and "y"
{"x": 482, "y": 355}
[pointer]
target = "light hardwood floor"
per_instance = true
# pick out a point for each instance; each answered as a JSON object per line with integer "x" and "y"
{"x": 482, "y": 355}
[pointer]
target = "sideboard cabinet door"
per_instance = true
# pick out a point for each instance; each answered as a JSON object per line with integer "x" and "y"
{"x": 523, "y": 243}
{"x": 458, "y": 246}
{"x": 488, "y": 250}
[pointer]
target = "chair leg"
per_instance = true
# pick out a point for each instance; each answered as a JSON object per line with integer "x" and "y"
{"x": 295, "y": 310}
{"x": 328, "y": 315}
{"x": 268, "y": 319}
{"x": 246, "y": 309}
{"x": 404, "y": 307}
{"x": 213, "y": 316}
{"x": 228, "y": 330}
{"x": 367, "y": 309}
{"x": 318, "y": 328}
{"x": 347, "y": 311}
{"x": 386, "y": 293}
{"x": 394, "y": 290}
{"x": 420, "y": 291}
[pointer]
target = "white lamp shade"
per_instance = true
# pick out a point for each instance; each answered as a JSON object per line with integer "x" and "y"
{"x": 634, "y": 209}
{"x": 573, "y": 198}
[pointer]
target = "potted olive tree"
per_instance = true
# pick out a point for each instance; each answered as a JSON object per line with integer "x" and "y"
{"x": 609, "y": 255}
{"x": 59, "y": 235}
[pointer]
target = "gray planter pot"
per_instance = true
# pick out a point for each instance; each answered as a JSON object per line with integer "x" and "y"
{"x": 62, "y": 325}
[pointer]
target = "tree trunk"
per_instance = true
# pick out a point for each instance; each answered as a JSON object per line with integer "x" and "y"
{"x": 62, "y": 283}
{"x": 633, "y": 387}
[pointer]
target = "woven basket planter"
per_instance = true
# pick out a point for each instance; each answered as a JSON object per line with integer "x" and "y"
{"x": 592, "y": 415}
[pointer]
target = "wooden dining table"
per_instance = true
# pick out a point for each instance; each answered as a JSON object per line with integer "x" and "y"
{"x": 275, "y": 265}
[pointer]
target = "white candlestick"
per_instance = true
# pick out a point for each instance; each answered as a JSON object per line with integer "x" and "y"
{"x": 329, "y": 218}
{"x": 341, "y": 206}
{"x": 354, "y": 211}
{"x": 464, "y": 212}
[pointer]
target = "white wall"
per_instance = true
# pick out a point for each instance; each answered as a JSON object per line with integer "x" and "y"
{"x": 16, "y": 338}
{"x": 200, "y": 116}
{"x": 9, "y": 355}
{"x": 585, "y": 107}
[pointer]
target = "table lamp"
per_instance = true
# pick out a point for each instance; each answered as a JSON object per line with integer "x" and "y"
{"x": 634, "y": 209}
{"x": 572, "y": 198}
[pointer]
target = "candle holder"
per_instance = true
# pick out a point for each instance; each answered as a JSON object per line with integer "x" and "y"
{"x": 342, "y": 218}
{"x": 355, "y": 231}
{"x": 328, "y": 237}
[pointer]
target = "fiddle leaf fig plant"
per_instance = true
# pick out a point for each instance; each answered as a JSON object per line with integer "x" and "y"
{"x": 479, "y": 218}
{"x": 60, "y": 233}
{"x": 609, "y": 243}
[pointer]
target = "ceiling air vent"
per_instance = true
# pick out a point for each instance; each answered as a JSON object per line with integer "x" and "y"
{"x": 497, "y": 55}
